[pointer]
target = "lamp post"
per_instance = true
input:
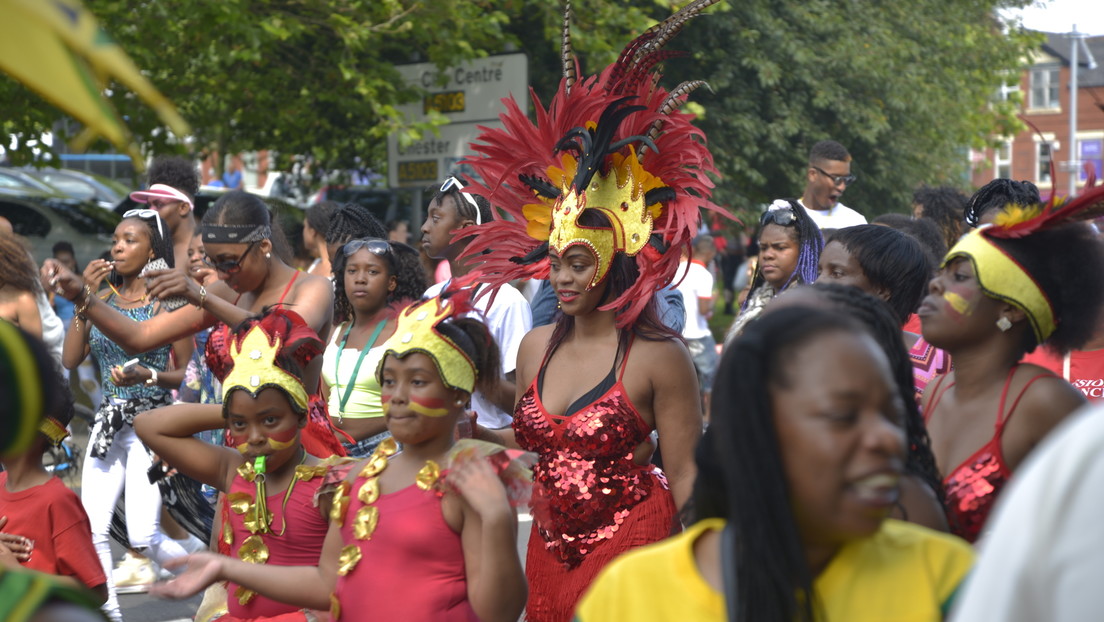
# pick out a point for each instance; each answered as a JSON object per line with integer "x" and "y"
{"x": 1077, "y": 42}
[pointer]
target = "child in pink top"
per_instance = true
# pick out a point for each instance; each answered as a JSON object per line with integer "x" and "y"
{"x": 274, "y": 513}
{"x": 425, "y": 534}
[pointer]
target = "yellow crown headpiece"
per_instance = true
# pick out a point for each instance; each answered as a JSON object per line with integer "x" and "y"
{"x": 422, "y": 327}
{"x": 255, "y": 368}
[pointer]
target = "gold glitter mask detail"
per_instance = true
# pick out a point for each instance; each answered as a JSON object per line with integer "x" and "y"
{"x": 255, "y": 369}
{"x": 619, "y": 195}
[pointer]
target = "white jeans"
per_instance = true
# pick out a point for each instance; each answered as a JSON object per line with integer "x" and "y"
{"x": 102, "y": 480}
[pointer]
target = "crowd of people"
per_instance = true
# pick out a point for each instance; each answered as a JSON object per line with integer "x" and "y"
{"x": 892, "y": 405}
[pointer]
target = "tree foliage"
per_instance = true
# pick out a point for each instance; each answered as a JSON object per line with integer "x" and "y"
{"x": 904, "y": 85}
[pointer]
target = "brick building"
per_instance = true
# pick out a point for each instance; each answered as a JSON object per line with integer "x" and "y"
{"x": 1044, "y": 91}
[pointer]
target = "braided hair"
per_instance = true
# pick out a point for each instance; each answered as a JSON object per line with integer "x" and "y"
{"x": 996, "y": 195}
{"x": 160, "y": 237}
{"x": 806, "y": 234}
{"x": 478, "y": 213}
{"x": 875, "y": 315}
{"x": 350, "y": 221}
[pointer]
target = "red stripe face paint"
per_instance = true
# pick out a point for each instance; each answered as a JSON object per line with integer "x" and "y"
{"x": 283, "y": 440}
{"x": 428, "y": 406}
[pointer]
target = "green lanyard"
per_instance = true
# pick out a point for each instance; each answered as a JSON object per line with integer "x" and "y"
{"x": 356, "y": 370}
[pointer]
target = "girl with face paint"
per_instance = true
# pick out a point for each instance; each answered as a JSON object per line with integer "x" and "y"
{"x": 422, "y": 534}
{"x": 270, "y": 481}
{"x": 1001, "y": 291}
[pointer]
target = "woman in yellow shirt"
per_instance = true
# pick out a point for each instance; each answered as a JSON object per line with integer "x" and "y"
{"x": 797, "y": 475}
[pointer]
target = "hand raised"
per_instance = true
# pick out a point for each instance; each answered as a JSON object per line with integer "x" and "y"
{"x": 199, "y": 571}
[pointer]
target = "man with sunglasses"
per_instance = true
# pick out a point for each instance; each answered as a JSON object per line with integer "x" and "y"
{"x": 173, "y": 186}
{"x": 828, "y": 176}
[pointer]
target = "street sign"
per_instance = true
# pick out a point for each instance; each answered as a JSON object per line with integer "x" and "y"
{"x": 468, "y": 95}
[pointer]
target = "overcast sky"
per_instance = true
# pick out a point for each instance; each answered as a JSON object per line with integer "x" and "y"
{"x": 1061, "y": 15}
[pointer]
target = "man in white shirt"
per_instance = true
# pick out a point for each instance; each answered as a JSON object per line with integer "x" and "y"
{"x": 826, "y": 179}
{"x": 696, "y": 288}
{"x": 507, "y": 319}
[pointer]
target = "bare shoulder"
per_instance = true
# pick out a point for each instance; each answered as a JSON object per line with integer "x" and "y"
{"x": 659, "y": 353}
{"x": 313, "y": 283}
{"x": 531, "y": 351}
{"x": 1049, "y": 398}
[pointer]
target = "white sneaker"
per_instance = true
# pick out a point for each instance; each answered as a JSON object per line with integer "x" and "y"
{"x": 133, "y": 575}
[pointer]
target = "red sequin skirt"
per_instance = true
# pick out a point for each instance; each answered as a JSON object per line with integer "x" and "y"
{"x": 554, "y": 589}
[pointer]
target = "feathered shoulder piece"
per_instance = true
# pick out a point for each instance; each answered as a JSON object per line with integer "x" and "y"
{"x": 611, "y": 164}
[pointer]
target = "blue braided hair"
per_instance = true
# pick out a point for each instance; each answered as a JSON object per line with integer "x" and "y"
{"x": 809, "y": 241}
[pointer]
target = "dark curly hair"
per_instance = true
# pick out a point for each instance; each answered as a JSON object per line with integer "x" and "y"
{"x": 1051, "y": 257}
{"x": 16, "y": 267}
{"x": 177, "y": 172}
{"x": 923, "y": 231}
{"x": 404, "y": 264}
{"x": 944, "y": 206}
{"x": 996, "y": 195}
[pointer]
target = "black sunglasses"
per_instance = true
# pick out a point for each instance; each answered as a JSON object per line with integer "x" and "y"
{"x": 376, "y": 246}
{"x": 836, "y": 180}
{"x": 230, "y": 266}
{"x": 781, "y": 216}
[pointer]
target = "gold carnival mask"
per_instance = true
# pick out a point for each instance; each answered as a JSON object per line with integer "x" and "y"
{"x": 619, "y": 195}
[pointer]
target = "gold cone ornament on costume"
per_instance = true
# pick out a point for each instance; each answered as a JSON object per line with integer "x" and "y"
{"x": 612, "y": 164}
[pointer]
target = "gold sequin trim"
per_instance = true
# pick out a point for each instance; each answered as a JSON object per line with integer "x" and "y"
{"x": 253, "y": 550}
{"x": 350, "y": 556}
{"x": 339, "y": 504}
{"x": 429, "y": 474}
{"x": 369, "y": 491}
{"x": 364, "y": 525}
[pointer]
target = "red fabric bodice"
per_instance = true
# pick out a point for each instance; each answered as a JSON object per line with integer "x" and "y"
{"x": 412, "y": 566}
{"x": 300, "y": 544}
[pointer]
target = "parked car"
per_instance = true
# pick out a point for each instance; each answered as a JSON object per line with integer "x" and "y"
{"x": 382, "y": 202}
{"x": 45, "y": 219}
{"x": 81, "y": 185}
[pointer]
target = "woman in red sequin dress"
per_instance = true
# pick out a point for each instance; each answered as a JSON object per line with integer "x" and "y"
{"x": 1003, "y": 290}
{"x": 603, "y": 194}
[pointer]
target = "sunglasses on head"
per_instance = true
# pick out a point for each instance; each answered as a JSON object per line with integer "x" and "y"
{"x": 453, "y": 183}
{"x": 376, "y": 246}
{"x": 146, "y": 214}
{"x": 230, "y": 266}
{"x": 781, "y": 215}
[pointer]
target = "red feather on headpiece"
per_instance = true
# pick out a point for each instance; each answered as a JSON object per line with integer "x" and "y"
{"x": 524, "y": 151}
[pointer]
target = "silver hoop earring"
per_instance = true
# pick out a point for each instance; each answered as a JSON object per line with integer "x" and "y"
{"x": 1004, "y": 324}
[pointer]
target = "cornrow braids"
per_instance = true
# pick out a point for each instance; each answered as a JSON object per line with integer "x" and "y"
{"x": 351, "y": 221}
{"x": 875, "y": 316}
{"x": 479, "y": 213}
{"x": 996, "y": 195}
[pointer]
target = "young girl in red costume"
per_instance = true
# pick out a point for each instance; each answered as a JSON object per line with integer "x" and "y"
{"x": 425, "y": 534}
{"x": 273, "y": 512}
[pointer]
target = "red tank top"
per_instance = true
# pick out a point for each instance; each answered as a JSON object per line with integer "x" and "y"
{"x": 412, "y": 565}
{"x": 973, "y": 486}
{"x": 300, "y": 544}
{"x": 585, "y": 480}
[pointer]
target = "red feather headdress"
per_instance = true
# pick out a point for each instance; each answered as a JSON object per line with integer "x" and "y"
{"x": 616, "y": 144}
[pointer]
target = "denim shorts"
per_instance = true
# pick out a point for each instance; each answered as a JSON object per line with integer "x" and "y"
{"x": 365, "y": 447}
{"x": 704, "y": 353}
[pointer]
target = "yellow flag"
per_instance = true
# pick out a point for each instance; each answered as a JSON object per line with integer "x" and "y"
{"x": 57, "y": 49}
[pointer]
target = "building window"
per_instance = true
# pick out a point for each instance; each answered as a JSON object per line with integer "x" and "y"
{"x": 1003, "y": 161}
{"x": 1091, "y": 151}
{"x": 1044, "y": 87}
{"x": 1042, "y": 161}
